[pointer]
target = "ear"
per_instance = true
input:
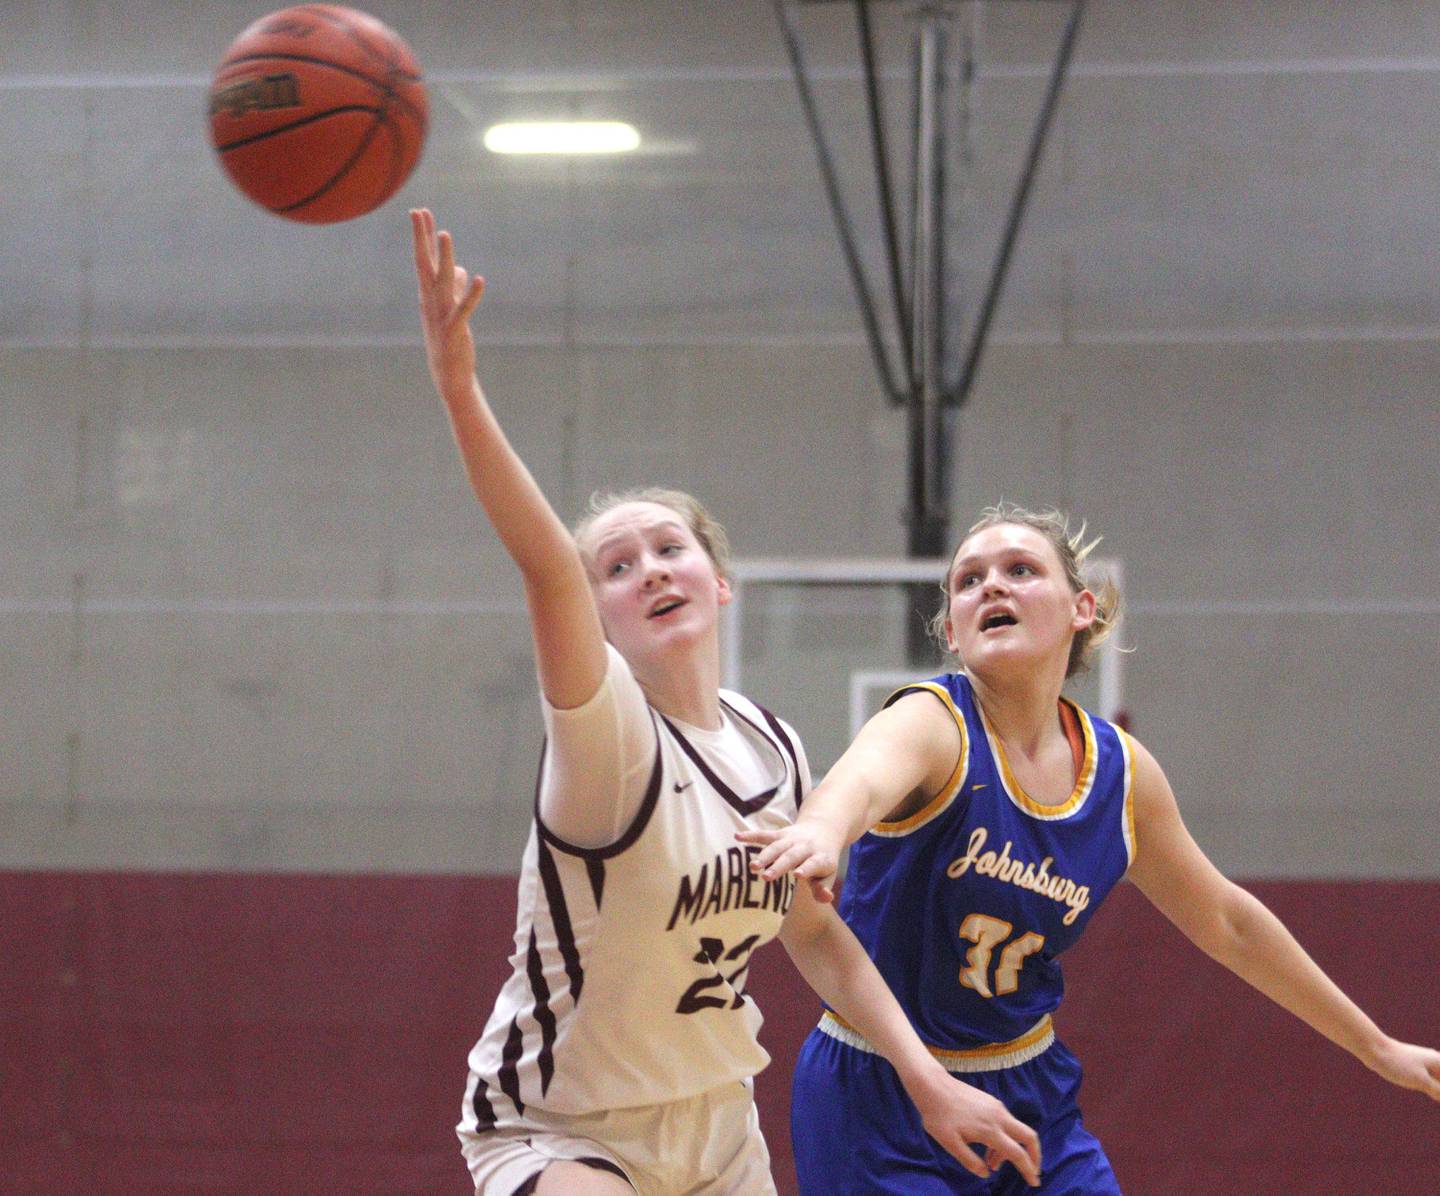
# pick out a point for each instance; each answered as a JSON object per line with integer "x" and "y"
{"x": 1084, "y": 611}
{"x": 723, "y": 592}
{"x": 950, "y": 644}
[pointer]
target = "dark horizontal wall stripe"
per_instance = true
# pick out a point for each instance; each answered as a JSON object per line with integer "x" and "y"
{"x": 292, "y": 1034}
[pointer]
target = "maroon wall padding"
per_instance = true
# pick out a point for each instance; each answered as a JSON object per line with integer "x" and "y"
{"x": 303, "y": 1034}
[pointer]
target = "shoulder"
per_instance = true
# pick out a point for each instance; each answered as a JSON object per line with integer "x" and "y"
{"x": 936, "y": 703}
{"x": 777, "y": 727}
{"x": 923, "y": 723}
{"x": 617, "y": 679}
{"x": 1150, "y": 789}
{"x": 948, "y": 687}
{"x": 618, "y": 706}
{"x": 1109, "y": 740}
{"x": 760, "y": 715}
{"x": 1142, "y": 761}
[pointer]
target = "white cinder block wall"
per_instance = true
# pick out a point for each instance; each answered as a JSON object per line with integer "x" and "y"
{"x": 250, "y": 617}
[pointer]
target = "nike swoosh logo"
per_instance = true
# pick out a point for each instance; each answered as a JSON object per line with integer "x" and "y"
{"x": 975, "y": 787}
{"x": 679, "y": 788}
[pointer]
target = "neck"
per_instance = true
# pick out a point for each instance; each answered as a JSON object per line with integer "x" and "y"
{"x": 1022, "y": 712}
{"x": 686, "y": 689}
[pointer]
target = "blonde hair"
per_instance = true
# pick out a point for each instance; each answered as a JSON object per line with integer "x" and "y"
{"x": 703, "y": 525}
{"x": 1072, "y": 548}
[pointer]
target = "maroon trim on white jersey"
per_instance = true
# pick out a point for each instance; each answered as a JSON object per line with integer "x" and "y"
{"x": 560, "y": 915}
{"x": 509, "y": 1078}
{"x": 539, "y": 1005}
{"x": 632, "y": 832}
{"x": 783, "y": 736}
{"x": 485, "y": 1117}
{"x": 746, "y": 805}
{"x": 595, "y": 870}
{"x": 544, "y": 1015}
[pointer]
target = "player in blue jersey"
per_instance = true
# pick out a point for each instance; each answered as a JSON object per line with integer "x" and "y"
{"x": 989, "y": 818}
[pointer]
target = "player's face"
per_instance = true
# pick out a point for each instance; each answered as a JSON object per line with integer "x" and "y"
{"x": 654, "y": 583}
{"x": 1011, "y": 605}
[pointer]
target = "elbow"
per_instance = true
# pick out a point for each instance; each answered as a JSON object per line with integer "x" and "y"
{"x": 812, "y": 935}
{"x": 1234, "y": 930}
{"x": 801, "y": 942}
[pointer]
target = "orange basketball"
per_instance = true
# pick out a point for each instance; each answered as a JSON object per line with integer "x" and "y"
{"x": 318, "y": 113}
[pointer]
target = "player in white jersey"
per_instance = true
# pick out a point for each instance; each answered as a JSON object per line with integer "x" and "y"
{"x": 659, "y": 924}
{"x": 968, "y": 931}
{"x": 620, "y": 1053}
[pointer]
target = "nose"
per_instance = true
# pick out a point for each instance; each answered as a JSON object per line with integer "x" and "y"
{"x": 994, "y": 582}
{"x": 656, "y": 571}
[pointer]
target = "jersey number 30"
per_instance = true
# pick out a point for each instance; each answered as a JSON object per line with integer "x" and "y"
{"x": 987, "y": 933}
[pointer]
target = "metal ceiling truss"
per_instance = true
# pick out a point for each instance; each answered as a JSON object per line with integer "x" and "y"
{"x": 924, "y": 364}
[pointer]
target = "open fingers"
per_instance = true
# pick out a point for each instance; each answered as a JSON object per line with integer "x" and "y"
{"x": 787, "y": 861}
{"x": 1000, "y": 1150}
{"x": 445, "y": 267}
{"x": 968, "y": 1159}
{"x": 778, "y": 850}
{"x": 1014, "y": 1142}
{"x": 782, "y": 847}
{"x": 422, "y": 227}
{"x": 779, "y": 855}
{"x": 470, "y": 299}
{"x": 1020, "y": 1144}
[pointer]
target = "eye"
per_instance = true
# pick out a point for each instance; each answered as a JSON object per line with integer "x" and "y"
{"x": 967, "y": 580}
{"x": 671, "y": 549}
{"x": 1020, "y": 569}
{"x": 615, "y": 568}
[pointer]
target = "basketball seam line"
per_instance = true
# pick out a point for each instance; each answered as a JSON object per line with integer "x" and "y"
{"x": 337, "y": 21}
{"x": 311, "y": 118}
{"x": 360, "y": 149}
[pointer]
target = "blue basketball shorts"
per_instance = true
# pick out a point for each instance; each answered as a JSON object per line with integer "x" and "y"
{"x": 855, "y": 1132}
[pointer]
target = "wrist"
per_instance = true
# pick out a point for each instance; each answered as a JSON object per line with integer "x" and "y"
{"x": 459, "y": 388}
{"x": 822, "y": 824}
{"x": 922, "y": 1076}
{"x": 1373, "y": 1048}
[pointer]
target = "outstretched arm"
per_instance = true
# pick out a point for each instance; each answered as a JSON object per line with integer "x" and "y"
{"x": 569, "y": 641}
{"x": 954, "y": 1113}
{"x": 902, "y": 758}
{"x": 1234, "y": 928}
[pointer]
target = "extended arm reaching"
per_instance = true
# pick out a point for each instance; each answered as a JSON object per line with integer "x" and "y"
{"x": 1234, "y": 928}
{"x": 592, "y": 791}
{"x": 569, "y": 641}
{"x": 901, "y": 758}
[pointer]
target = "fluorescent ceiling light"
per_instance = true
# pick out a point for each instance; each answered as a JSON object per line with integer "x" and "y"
{"x": 561, "y": 137}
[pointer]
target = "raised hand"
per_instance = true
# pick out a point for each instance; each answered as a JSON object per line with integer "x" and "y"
{"x": 448, "y": 297}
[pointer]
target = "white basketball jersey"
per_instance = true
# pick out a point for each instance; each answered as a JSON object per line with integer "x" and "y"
{"x": 628, "y": 976}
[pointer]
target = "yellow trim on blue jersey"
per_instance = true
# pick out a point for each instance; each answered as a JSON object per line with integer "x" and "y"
{"x": 994, "y": 1056}
{"x": 941, "y": 801}
{"x": 1023, "y": 800}
{"x": 1127, "y": 745}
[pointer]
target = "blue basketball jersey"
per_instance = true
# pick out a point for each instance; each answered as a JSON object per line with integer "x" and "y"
{"x": 966, "y": 905}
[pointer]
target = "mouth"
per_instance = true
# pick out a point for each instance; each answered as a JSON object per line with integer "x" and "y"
{"x": 997, "y": 620}
{"x": 663, "y": 608}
